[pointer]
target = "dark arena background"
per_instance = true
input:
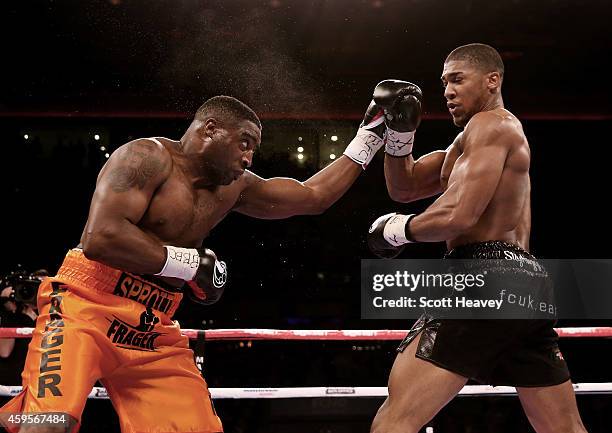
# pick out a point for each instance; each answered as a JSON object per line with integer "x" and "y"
{"x": 79, "y": 79}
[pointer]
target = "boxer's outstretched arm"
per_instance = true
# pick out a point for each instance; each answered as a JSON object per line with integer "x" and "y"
{"x": 279, "y": 197}
{"x": 123, "y": 192}
{"x": 409, "y": 180}
{"x": 486, "y": 143}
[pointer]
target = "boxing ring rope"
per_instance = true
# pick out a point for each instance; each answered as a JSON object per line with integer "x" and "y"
{"x": 318, "y": 334}
{"x": 340, "y": 391}
{"x": 329, "y": 335}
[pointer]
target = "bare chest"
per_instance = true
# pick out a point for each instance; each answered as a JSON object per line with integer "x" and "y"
{"x": 184, "y": 216}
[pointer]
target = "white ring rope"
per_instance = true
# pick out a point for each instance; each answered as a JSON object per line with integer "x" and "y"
{"x": 337, "y": 335}
{"x": 339, "y": 391}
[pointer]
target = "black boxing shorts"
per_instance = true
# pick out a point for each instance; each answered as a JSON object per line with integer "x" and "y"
{"x": 518, "y": 352}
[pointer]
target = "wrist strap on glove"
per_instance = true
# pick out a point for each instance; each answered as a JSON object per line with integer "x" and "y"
{"x": 396, "y": 231}
{"x": 399, "y": 144}
{"x": 180, "y": 263}
{"x": 364, "y": 146}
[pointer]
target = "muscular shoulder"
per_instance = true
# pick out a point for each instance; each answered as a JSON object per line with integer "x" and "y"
{"x": 249, "y": 179}
{"x": 456, "y": 144}
{"x": 489, "y": 128}
{"x": 137, "y": 163}
{"x": 143, "y": 148}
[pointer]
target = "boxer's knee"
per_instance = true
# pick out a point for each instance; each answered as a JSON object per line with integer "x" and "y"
{"x": 386, "y": 421}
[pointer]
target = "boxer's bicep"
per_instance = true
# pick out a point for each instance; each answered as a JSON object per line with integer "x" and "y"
{"x": 128, "y": 181}
{"x": 427, "y": 172}
{"x": 408, "y": 180}
{"x": 124, "y": 190}
{"x": 274, "y": 198}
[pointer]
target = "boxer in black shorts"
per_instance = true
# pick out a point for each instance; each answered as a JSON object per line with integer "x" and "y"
{"x": 484, "y": 211}
{"x": 520, "y": 353}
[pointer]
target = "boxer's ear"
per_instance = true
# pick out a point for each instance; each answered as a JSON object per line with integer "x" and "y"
{"x": 209, "y": 126}
{"x": 493, "y": 81}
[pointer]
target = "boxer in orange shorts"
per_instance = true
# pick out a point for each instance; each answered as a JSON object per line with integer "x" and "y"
{"x": 88, "y": 331}
{"x": 107, "y": 314}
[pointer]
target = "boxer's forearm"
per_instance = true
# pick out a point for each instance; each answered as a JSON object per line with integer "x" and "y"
{"x": 440, "y": 223}
{"x": 279, "y": 197}
{"x": 398, "y": 177}
{"x": 123, "y": 245}
{"x": 329, "y": 184}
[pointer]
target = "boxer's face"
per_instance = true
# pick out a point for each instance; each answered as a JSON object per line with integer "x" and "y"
{"x": 230, "y": 150}
{"x": 465, "y": 89}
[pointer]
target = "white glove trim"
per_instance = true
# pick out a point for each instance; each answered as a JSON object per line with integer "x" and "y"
{"x": 363, "y": 147}
{"x": 399, "y": 143}
{"x": 180, "y": 263}
{"x": 394, "y": 231}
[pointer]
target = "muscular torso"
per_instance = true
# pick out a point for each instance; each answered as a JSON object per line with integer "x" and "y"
{"x": 508, "y": 215}
{"x": 179, "y": 214}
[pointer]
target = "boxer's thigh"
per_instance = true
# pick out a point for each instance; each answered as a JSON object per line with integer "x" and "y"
{"x": 418, "y": 389}
{"x": 534, "y": 359}
{"x": 162, "y": 390}
{"x": 64, "y": 356}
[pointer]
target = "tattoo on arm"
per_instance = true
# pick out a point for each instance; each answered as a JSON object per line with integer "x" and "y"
{"x": 138, "y": 168}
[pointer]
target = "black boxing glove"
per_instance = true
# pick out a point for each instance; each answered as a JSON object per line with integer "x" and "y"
{"x": 387, "y": 235}
{"x": 206, "y": 276}
{"x": 374, "y": 120}
{"x": 401, "y": 102}
{"x": 369, "y": 138}
{"x": 209, "y": 281}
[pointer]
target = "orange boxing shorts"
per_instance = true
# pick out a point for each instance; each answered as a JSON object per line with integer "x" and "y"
{"x": 99, "y": 323}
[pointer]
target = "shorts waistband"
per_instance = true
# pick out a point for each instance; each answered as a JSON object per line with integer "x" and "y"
{"x": 145, "y": 289}
{"x": 487, "y": 250}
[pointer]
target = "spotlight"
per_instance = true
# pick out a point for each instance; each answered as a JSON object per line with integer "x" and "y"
{"x": 332, "y": 156}
{"x": 96, "y": 137}
{"x": 26, "y": 136}
{"x": 102, "y": 148}
{"x": 106, "y": 155}
{"x": 300, "y": 138}
{"x": 334, "y": 138}
{"x": 300, "y": 149}
{"x": 300, "y": 156}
